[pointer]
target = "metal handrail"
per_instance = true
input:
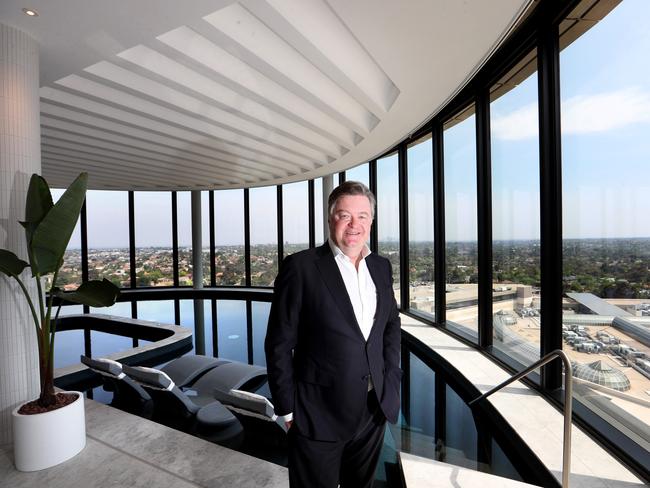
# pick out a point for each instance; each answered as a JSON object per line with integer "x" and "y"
{"x": 568, "y": 396}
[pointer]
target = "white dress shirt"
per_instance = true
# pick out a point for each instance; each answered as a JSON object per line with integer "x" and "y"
{"x": 360, "y": 287}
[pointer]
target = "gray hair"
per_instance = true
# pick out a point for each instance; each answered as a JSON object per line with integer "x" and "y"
{"x": 350, "y": 188}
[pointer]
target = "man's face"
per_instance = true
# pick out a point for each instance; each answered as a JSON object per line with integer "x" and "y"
{"x": 350, "y": 224}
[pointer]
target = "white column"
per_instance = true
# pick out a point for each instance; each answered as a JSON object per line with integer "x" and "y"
{"x": 197, "y": 272}
{"x": 20, "y": 156}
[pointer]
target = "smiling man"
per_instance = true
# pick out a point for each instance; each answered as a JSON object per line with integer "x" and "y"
{"x": 332, "y": 349}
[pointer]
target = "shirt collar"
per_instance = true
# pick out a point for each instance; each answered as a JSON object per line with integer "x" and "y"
{"x": 336, "y": 251}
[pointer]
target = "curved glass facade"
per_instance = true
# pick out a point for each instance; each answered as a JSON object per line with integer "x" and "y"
{"x": 530, "y": 185}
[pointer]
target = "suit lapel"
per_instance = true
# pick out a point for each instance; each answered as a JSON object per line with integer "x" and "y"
{"x": 334, "y": 282}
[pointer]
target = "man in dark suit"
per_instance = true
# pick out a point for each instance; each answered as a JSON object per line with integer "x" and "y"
{"x": 332, "y": 350}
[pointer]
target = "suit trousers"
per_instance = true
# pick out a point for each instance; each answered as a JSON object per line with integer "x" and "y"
{"x": 350, "y": 464}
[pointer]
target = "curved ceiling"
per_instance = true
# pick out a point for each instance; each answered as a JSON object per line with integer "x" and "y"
{"x": 161, "y": 94}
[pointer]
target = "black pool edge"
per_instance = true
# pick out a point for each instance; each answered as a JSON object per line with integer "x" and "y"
{"x": 82, "y": 378}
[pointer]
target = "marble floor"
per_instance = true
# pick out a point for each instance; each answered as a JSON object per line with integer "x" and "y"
{"x": 123, "y": 450}
{"x": 420, "y": 472}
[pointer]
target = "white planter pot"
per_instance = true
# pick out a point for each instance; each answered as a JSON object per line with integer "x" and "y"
{"x": 47, "y": 439}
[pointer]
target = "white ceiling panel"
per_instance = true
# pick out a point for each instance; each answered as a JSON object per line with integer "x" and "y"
{"x": 161, "y": 94}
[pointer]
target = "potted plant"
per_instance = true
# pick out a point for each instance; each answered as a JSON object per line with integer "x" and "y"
{"x": 50, "y": 429}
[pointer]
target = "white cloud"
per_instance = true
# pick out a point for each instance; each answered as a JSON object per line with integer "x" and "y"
{"x": 580, "y": 115}
{"x": 605, "y": 111}
{"x": 520, "y": 124}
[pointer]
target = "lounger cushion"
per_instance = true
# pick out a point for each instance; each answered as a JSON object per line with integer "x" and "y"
{"x": 152, "y": 377}
{"x": 103, "y": 365}
{"x": 184, "y": 370}
{"x": 215, "y": 415}
{"x": 228, "y": 376}
{"x": 246, "y": 400}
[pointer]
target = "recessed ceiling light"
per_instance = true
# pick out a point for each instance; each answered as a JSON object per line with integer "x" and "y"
{"x": 31, "y": 12}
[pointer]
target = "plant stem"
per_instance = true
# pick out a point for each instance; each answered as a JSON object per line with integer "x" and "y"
{"x": 48, "y": 336}
{"x": 41, "y": 305}
{"x": 29, "y": 301}
{"x": 53, "y": 328}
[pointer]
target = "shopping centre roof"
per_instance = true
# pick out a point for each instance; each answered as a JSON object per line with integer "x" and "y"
{"x": 598, "y": 305}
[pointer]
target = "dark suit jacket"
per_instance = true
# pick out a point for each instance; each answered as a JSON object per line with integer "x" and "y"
{"x": 324, "y": 382}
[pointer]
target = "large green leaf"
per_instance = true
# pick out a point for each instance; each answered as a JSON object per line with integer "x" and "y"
{"x": 52, "y": 235}
{"x": 93, "y": 293}
{"x": 37, "y": 205}
{"x": 39, "y": 200}
{"x": 10, "y": 264}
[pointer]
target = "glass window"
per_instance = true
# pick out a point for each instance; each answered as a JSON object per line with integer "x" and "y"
{"x": 461, "y": 232}
{"x": 420, "y": 223}
{"x": 108, "y": 236}
{"x": 295, "y": 217}
{"x": 387, "y": 220}
{"x": 70, "y": 275}
{"x": 359, "y": 173}
{"x": 264, "y": 235}
{"x": 153, "y": 239}
{"x": 205, "y": 236}
{"x": 184, "y": 213}
{"x": 606, "y": 197}
{"x": 515, "y": 212}
{"x": 229, "y": 261}
{"x": 318, "y": 212}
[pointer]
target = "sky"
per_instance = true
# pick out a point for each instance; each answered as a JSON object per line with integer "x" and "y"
{"x": 605, "y": 103}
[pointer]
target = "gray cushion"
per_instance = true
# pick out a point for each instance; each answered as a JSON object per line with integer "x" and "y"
{"x": 103, "y": 366}
{"x": 215, "y": 415}
{"x": 248, "y": 401}
{"x": 151, "y": 377}
{"x": 184, "y": 370}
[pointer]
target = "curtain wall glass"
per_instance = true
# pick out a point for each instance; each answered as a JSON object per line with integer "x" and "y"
{"x": 295, "y": 217}
{"x": 264, "y": 235}
{"x": 318, "y": 211}
{"x": 359, "y": 173}
{"x": 229, "y": 258}
{"x": 108, "y": 236}
{"x": 461, "y": 232}
{"x": 420, "y": 219}
{"x": 184, "y": 212}
{"x": 387, "y": 219}
{"x": 514, "y": 140}
{"x": 70, "y": 275}
{"x": 606, "y": 230}
{"x": 153, "y": 239}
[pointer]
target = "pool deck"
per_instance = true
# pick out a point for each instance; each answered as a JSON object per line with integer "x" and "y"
{"x": 538, "y": 423}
